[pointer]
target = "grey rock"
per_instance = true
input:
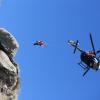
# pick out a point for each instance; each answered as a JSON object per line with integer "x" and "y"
{"x": 9, "y": 70}
{"x": 8, "y": 41}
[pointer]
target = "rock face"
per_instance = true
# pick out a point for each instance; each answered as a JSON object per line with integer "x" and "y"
{"x": 9, "y": 70}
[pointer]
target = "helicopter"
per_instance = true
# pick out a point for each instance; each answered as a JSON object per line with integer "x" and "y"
{"x": 90, "y": 59}
{"x": 39, "y": 43}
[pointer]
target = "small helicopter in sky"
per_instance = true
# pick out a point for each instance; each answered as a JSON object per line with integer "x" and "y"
{"x": 90, "y": 59}
{"x": 40, "y": 43}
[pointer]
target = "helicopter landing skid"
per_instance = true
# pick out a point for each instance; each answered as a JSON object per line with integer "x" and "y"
{"x": 82, "y": 65}
{"x": 86, "y": 69}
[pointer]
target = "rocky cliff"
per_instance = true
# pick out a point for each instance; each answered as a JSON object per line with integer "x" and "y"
{"x": 9, "y": 70}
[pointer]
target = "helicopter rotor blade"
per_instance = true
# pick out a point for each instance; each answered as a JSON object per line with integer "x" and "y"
{"x": 92, "y": 44}
{"x": 97, "y": 51}
{"x": 86, "y": 71}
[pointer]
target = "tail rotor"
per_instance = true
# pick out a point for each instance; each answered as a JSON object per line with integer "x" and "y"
{"x": 74, "y": 44}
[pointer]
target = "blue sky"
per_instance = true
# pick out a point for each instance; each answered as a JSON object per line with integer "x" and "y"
{"x": 51, "y": 72}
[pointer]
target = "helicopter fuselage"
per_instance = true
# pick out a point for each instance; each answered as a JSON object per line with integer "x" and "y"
{"x": 90, "y": 60}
